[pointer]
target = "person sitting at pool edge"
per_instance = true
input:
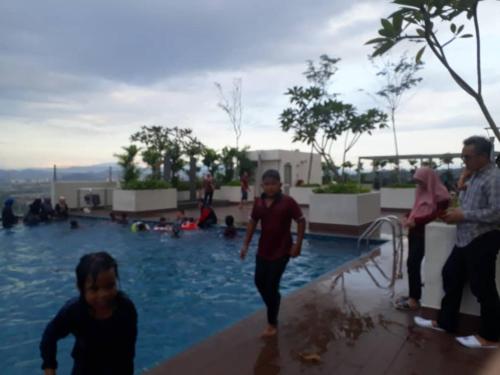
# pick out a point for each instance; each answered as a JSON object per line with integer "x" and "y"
{"x": 230, "y": 230}
{"x": 8, "y": 217}
{"x": 33, "y": 215}
{"x": 47, "y": 212}
{"x": 275, "y": 211}
{"x": 207, "y": 216}
{"x": 61, "y": 209}
{"x": 102, "y": 319}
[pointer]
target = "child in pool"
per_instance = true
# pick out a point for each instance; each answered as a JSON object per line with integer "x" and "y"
{"x": 102, "y": 319}
{"x": 230, "y": 230}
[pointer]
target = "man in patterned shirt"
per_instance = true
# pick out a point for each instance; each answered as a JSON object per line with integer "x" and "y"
{"x": 477, "y": 243}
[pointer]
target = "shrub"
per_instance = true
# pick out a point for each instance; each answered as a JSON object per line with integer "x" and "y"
{"x": 149, "y": 184}
{"x": 308, "y": 185}
{"x": 407, "y": 185}
{"x": 185, "y": 185}
{"x": 231, "y": 183}
{"x": 341, "y": 188}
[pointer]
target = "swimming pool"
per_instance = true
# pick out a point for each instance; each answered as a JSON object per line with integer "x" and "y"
{"x": 184, "y": 289}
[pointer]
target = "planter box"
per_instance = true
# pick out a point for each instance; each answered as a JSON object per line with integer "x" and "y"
{"x": 343, "y": 213}
{"x": 302, "y": 194}
{"x": 439, "y": 241}
{"x": 397, "y": 198}
{"x": 144, "y": 200}
{"x": 233, "y": 194}
{"x": 183, "y": 195}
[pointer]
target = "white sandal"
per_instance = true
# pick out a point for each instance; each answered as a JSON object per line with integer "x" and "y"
{"x": 473, "y": 343}
{"x": 426, "y": 323}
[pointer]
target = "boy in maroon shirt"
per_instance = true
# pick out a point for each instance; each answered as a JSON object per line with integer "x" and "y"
{"x": 276, "y": 246}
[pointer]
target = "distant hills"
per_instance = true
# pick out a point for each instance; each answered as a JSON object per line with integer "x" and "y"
{"x": 98, "y": 172}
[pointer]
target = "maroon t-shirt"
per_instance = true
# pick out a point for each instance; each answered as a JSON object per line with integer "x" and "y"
{"x": 276, "y": 237}
{"x": 244, "y": 183}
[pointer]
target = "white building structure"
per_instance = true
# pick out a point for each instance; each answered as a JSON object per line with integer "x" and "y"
{"x": 292, "y": 166}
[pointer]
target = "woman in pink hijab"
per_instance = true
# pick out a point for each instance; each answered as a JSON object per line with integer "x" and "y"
{"x": 431, "y": 198}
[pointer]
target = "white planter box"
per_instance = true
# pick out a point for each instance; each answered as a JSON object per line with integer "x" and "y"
{"x": 439, "y": 241}
{"x": 183, "y": 195}
{"x": 344, "y": 209}
{"x": 302, "y": 195}
{"x": 398, "y": 198}
{"x": 233, "y": 194}
{"x": 144, "y": 200}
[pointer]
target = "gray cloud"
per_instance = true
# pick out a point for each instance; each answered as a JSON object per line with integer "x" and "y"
{"x": 149, "y": 40}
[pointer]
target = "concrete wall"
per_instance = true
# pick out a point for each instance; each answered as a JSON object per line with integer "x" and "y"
{"x": 233, "y": 194}
{"x": 144, "y": 200}
{"x": 69, "y": 189}
{"x": 301, "y": 194}
{"x": 397, "y": 198}
{"x": 344, "y": 209}
{"x": 439, "y": 241}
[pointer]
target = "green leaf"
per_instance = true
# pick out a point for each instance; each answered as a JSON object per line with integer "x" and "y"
{"x": 421, "y": 32}
{"x": 410, "y": 3}
{"x": 376, "y": 40}
{"x": 418, "y": 57}
{"x": 383, "y": 48}
{"x": 467, "y": 36}
{"x": 397, "y": 22}
{"x": 461, "y": 27}
{"x": 453, "y": 28}
{"x": 387, "y": 25}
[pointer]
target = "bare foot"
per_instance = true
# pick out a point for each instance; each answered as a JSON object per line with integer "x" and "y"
{"x": 270, "y": 331}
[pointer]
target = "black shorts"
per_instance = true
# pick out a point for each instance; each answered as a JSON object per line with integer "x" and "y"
{"x": 244, "y": 195}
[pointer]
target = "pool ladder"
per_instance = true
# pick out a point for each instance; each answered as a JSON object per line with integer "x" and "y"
{"x": 397, "y": 246}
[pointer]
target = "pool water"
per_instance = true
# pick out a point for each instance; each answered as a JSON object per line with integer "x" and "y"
{"x": 184, "y": 289}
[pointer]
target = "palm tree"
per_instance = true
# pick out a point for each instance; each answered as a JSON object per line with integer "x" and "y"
{"x": 126, "y": 161}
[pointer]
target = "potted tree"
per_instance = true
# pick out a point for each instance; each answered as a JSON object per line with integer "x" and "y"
{"x": 135, "y": 195}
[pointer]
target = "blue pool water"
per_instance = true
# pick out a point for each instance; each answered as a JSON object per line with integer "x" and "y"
{"x": 184, "y": 289}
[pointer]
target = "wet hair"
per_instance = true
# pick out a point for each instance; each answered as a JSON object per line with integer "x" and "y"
{"x": 482, "y": 145}
{"x": 141, "y": 227}
{"x": 91, "y": 265}
{"x": 271, "y": 173}
{"x": 73, "y": 224}
{"x": 229, "y": 220}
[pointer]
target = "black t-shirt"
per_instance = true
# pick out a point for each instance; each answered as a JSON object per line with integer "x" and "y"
{"x": 104, "y": 346}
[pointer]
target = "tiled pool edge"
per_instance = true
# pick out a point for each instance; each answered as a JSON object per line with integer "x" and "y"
{"x": 259, "y": 315}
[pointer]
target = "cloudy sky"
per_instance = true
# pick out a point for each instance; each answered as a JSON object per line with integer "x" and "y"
{"x": 78, "y": 77}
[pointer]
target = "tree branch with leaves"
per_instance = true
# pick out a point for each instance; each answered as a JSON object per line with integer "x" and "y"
{"x": 318, "y": 118}
{"x": 418, "y": 21}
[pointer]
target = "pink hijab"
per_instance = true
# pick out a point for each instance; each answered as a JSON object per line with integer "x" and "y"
{"x": 427, "y": 196}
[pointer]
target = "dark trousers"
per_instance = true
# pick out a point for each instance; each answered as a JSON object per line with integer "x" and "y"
{"x": 476, "y": 263}
{"x": 416, "y": 252}
{"x": 267, "y": 279}
{"x": 207, "y": 200}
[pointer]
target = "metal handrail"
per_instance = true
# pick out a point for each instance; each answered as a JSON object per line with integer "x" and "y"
{"x": 397, "y": 243}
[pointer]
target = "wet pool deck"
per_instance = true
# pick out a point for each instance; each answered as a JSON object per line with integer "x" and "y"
{"x": 344, "y": 322}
